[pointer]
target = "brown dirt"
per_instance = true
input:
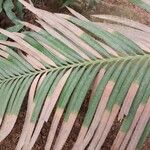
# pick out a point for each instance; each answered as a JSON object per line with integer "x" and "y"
{"x": 113, "y": 7}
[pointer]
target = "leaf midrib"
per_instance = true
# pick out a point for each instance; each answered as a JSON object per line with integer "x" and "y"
{"x": 85, "y": 63}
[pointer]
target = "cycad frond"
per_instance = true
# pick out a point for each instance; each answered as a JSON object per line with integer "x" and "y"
{"x": 59, "y": 63}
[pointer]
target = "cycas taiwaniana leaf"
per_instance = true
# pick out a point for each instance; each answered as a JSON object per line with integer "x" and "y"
{"x": 59, "y": 62}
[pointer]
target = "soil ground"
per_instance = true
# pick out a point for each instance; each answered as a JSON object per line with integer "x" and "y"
{"x": 113, "y": 7}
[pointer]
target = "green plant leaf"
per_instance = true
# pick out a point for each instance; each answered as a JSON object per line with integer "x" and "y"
{"x": 61, "y": 62}
{"x": 145, "y": 4}
{"x": 8, "y": 7}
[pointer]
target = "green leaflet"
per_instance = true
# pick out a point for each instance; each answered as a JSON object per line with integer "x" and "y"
{"x": 142, "y": 4}
{"x": 15, "y": 28}
{"x": 41, "y": 94}
{"x": 144, "y": 136}
{"x": 19, "y": 9}
{"x": 127, "y": 82}
{"x": 21, "y": 95}
{"x": 113, "y": 41}
{"x": 61, "y": 47}
{"x": 140, "y": 97}
{"x": 80, "y": 90}
{"x": 8, "y": 7}
{"x": 92, "y": 42}
{"x": 6, "y": 90}
{"x": 97, "y": 95}
{"x": 67, "y": 2}
{"x": 70, "y": 86}
{"x": 14, "y": 93}
{"x": 1, "y": 4}
{"x": 89, "y": 3}
{"x": 39, "y": 47}
{"x": 45, "y": 90}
